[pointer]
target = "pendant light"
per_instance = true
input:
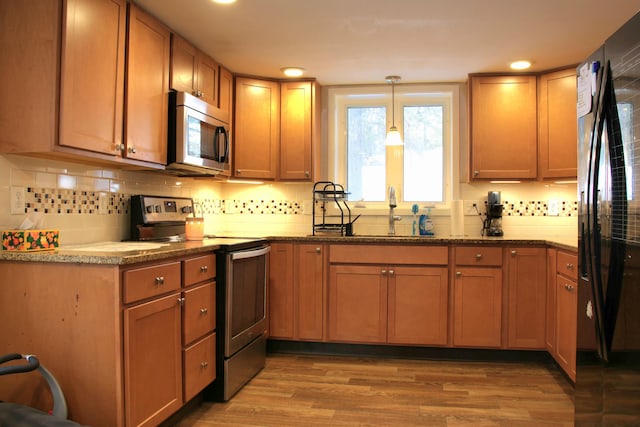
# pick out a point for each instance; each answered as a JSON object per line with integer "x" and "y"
{"x": 393, "y": 136}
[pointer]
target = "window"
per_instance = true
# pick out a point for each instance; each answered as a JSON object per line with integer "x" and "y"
{"x": 421, "y": 170}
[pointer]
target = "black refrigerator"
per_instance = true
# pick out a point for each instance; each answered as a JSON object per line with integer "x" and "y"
{"x": 607, "y": 388}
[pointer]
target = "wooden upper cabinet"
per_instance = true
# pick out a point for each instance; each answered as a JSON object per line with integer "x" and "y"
{"x": 557, "y": 128}
{"x": 503, "y": 134}
{"x": 147, "y": 88}
{"x": 225, "y": 92}
{"x": 193, "y": 71}
{"x": 92, "y": 70}
{"x": 298, "y": 134}
{"x": 257, "y": 128}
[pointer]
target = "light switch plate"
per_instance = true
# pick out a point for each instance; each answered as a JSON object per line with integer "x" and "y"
{"x": 553, "y": 207}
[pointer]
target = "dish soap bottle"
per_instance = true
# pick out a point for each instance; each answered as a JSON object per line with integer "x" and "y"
{"x": 414, "y": 228}
{"x": 426, "y": 224}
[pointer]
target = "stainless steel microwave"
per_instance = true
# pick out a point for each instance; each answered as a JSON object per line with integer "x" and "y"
{"x": 199, "y": 137}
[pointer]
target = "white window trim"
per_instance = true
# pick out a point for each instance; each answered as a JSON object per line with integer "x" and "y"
{"x": 341, "y": 96}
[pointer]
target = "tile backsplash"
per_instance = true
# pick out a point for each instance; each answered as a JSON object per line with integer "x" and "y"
{"x": 91, "y": 203}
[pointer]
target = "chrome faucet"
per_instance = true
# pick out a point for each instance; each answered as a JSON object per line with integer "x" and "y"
{"x": 392, "y": 218}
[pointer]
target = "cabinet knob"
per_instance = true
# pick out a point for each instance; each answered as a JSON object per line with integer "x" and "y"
{"x": 458, "y": 273}
{"x": 307, "y": 174}
{"x": 238, "y": 171}
{"x": 569, "y": 266}
{"x": 204, "y": 269}
{"x": 181, "y": 301}
{"x": 478, "y": 256}
{"x": 392, "y": 272}
{"x": 383, "y": 272}
{"x": 204, "y": 365}
{"x": 318, "y": 250}
{"x": 514, "y": 252}
{"x": 132, "y": 150}
{"x": 204, "y": 311}
{"x": 569, "y": 287}
{"x": 119, "y": 147}
{"x": 159, "y": 280}
{"x": 476, "y": 173}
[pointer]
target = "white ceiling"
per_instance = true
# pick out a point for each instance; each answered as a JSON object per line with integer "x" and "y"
{"x": 362, "y": 41}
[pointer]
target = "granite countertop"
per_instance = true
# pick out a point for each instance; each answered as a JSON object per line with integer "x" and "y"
{"x": 124, "y": 253}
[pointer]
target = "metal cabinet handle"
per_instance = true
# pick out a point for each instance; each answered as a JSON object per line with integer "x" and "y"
{"x": 318, "y": 250}
{"x": 458, "y": 273}
{"x": 514, "y": 252}
{"x": 478, "y": 256}
{"x": 569, "y": 266}
{"x": 238, "y": 171}
{"x": 132, "y": 150}
{"x": 569, "y": 287}
{"x": 392, "y": 272}
{"x": 476, "y": 173}
{"x": 383, "y": 272}
{"x": 181, "y": 301}
{"x": 204, "y": 311}
{"x": 159, "y": 280}
{"x": 204, "y": 365}
{"x": 204, "y": 269}
{"x": 119, "y": 147}
{"x": 307, "y": 174}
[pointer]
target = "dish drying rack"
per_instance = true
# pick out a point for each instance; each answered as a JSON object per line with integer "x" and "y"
{"x": 325, "y": 193}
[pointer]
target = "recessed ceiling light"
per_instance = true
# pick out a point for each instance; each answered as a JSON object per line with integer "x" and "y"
{"x": 520, "y": 65}
{"x": 292, "y": 71}
{"x": 224, "y": 1}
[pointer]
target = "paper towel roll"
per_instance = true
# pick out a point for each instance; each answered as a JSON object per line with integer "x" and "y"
{"x": 457, "y": 218}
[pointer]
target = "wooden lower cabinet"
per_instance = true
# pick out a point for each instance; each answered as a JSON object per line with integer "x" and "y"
{"x": 398, "y": 303}
{"x": 153, "y": 365}
{"x": 566, "y": 333}
{"x": 477, "y": 307}
{"x": 129, "y": 345}
{"x": 527, "y": 282}
{"x": 358, "y": 303}
{"x": 297, "y": 291}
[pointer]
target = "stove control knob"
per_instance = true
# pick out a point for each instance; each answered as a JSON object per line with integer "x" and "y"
{"x": 149, "y": 209}
{"x": 186, "y": 209}
{"x": 158, "y": 208}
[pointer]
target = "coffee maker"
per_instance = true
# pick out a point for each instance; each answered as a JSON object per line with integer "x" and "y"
{"x": 493, "y": 222}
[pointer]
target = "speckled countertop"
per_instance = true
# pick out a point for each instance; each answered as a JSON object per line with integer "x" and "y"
{"x": 86, "y": 255}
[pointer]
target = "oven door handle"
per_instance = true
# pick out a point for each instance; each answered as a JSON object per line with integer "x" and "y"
{"x": 250, "y": 253}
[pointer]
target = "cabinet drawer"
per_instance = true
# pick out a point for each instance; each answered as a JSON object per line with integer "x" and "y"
{"x": 199, "y": 269}
{"x": 478, "y": 255}
{"x": 146, "y": 282}
{"x": 199, "y": 311}
{"x": 389, "y": 255}
{"x": 567, "y": 265}
{"x": 199, "y": 366}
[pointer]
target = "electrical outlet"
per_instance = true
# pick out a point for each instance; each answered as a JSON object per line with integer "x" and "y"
{"x": 553, "y": 207}
{"x": 469, "y": 207}
{"x": 17, "y": 200}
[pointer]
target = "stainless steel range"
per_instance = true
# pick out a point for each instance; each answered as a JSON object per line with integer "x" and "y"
{"x": 159, "y": 218}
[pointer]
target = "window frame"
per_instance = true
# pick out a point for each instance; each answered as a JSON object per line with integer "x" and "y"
{"x": 342, "y": 97}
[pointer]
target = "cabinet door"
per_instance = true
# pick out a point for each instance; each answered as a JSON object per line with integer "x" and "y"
{"x": 566, "y": 327}
{"x": 503, "y": 127}
{"x": 557, "y": 131}
{"x": 296, "y": 122}
{"x": 418, "y": 300}
{"x": 183, "y": 64}
{"x": 199, "y": 311}
{"x": 527, "y": 274}
{"x": 551, "y": 302}
{"x": 92, "y": 75}
{"x": 152, "y": 361}
{"x": 281, "y": 294}
{"x": 310, "y": 292}
{"x": 257, "y": 128}
{"x": 207, "y": 79}
{"x": 147, "y": 88}
{"x": 358, "y": 303}
{"x": 225, "y": 97}
{"x": 477, "y": 307}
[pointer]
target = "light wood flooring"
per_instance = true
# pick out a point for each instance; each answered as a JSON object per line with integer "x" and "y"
{"x": 303, "y": 390}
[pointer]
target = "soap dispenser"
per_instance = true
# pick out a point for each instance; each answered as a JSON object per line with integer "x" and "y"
{"x": 426, "y": 224}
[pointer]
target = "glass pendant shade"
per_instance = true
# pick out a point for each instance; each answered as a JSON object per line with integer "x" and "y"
{"x": 393, "y": 135}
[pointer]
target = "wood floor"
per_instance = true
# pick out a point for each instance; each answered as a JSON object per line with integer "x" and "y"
{"x": 352, "y": 391}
